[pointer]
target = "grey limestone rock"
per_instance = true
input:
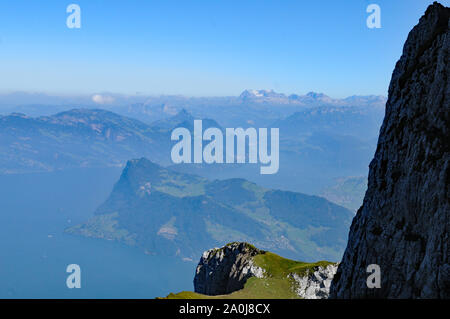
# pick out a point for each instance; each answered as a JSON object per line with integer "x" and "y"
{"x": 315, "y": 285}
{"x": 403, "y": 224}
{"x": 225, "y": 270}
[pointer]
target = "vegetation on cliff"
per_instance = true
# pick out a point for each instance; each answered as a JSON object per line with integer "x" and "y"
{"x": 276, "y": 283}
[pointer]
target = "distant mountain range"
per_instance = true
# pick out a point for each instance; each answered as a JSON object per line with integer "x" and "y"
{"x": 184, "y": 209}
{"x": 111, "y": 99}
{"x": 317, "y": 144}
{"x": 76, "y": 138}
{"x": 166, "y": 212}
{"x": 84, "y": 138}
{"x": 348, "y": 192}
{"x": 254, "y": 107}
{"x": 310, "y": 99}
{"x": 359, "y": 122}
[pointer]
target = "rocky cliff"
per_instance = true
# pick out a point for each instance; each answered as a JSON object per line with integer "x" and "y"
{"x": 227, "y": 270}
{"x": 403, "y": 224}
{"x": 224, "y": 270}
{"x": 316, "y": 283}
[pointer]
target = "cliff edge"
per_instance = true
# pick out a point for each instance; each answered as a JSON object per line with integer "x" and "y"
{"x": 403, "y": 224}
{"x": 240, "y": 271}
{"x": 223, "y": 270}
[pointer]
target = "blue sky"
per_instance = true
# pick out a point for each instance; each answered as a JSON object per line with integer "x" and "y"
{"x": 202, "y": 48}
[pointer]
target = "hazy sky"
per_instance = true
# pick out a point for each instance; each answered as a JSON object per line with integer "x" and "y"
{"x": 193, "y": 47}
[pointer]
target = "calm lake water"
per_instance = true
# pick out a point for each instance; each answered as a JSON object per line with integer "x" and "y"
{"x": 34, "y": 251}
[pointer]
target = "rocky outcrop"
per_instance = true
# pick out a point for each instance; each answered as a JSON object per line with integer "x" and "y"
{"x": 403, "y": 224}
{"x": 315, "y": 285}
{"x": 225, "y": 270}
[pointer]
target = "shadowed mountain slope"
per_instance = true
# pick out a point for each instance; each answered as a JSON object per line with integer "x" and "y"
{"x": 403, "y": 225}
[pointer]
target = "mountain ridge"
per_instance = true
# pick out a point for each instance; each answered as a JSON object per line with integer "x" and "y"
{"x": 164, "y": 211}
{"x": 239, "y": 270}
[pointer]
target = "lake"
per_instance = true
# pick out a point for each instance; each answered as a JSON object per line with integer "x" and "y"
{"x": 34, "y": 250}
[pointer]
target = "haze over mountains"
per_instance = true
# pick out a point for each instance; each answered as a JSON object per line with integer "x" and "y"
{"x": 93, "y": 179}
{"x": 181, "y": 210}
{"x": 262, "y": 96}
{"x": 321, "y": 139}
{"x": 260, "y": 107}
{"x": 76, "y": 138}
{"x": 170, "y": 210}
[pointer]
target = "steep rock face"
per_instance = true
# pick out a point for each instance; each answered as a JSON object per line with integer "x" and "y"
{"x": 403, "y": 224}
{"x": 225, "y": 270}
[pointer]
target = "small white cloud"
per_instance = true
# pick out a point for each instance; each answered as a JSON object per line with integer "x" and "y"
{"x": 102, "y": 99}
